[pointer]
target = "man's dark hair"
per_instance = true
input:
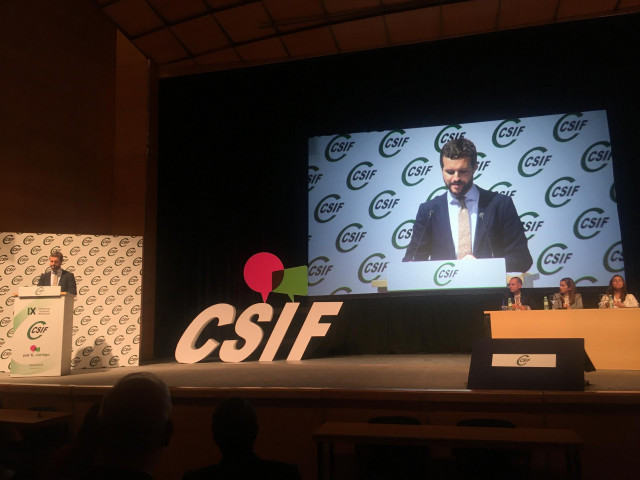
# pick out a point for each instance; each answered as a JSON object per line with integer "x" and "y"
{"x": 57, "y": 254}
{"x": 459, "y": 148}
{"x": 518, "y": 279}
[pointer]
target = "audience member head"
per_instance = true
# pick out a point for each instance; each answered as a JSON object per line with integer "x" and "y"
{"x": 134, "y": 415}
{"x": 235, "y": 426}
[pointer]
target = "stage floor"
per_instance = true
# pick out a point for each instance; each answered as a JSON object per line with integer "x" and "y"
{"x": 367, "y": 372}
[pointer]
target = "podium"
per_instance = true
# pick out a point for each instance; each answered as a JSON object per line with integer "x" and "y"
{"x": 527, "y": 364}
{"x": 42, "y": 331}
{"x": 446, "y": 274}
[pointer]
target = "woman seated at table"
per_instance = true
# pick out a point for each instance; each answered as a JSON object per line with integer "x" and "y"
{"x": 567, "y": 298}
{"x": 618, "y": 290}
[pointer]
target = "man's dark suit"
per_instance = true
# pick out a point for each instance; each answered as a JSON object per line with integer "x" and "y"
{"x": 525, "y": 299}
{"x": 499, "y": 232}
{"x": 67, "y": 281}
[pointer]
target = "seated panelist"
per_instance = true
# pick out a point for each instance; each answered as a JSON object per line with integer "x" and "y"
{"x": 618, "y": 292}
{"x": 519, "y": 300}
{"x": 566, "y": 298}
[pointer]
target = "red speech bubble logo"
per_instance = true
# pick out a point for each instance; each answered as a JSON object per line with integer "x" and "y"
{"x": 258, "y": 272}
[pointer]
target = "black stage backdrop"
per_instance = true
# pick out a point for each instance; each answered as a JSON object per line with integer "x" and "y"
{"x": 233, "y": 164}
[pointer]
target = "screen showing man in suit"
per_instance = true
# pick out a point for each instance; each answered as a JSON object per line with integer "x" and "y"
{"x": 550, "y": 175}
{"x": 467, "y": 221}
{"x": 58, "y": 276}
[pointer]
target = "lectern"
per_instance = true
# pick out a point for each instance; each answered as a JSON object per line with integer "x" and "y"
{"x": 446, "y": 274}
{"x": 42, "y": 330}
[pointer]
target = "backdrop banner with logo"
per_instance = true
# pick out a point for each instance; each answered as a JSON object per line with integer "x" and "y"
{"x": 365, "y": 189}
{"x": 106, "y": 311}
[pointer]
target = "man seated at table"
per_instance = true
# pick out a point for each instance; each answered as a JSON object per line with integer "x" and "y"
{"x": 519, "y": 299}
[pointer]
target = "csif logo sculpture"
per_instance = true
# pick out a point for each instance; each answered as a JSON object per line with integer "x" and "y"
{"x": 263, "y": 273}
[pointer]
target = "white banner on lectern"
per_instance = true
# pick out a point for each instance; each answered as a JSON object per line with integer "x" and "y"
{"x": 446, "y": 274}
{"x": 41, "y": 333}
{"x": 39, "y": 292}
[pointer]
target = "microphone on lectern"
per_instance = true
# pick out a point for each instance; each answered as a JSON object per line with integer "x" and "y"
{"x": 481, "y": 215}
{"x": 426, "y": 225}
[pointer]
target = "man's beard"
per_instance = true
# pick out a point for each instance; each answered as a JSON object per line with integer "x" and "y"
{"x": 465, "y": 188}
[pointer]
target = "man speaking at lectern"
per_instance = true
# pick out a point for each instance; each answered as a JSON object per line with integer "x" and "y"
{"x": 467, "y": 221}
{"x": 58, "y": 276}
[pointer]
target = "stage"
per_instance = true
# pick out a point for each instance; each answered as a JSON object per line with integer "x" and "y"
{"x": 361, "y": 373}
{"x": 292, "y": 399}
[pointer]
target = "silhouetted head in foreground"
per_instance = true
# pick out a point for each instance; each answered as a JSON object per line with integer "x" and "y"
{"x": 235, "y": 427}
{"x": 135, "y": 422}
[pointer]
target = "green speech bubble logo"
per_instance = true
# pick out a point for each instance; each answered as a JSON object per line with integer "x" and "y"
{"x": 294, "y": 281}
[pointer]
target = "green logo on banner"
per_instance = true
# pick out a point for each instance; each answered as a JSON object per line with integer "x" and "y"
{"x": 548, "y": 258}
{"x": 392, "y": 142}
{"x": 359, "y": 173}
{"x": 588, "y": 226}
{"x": 443, "y": 276}
{"x": 338, "y": 148}
{"x": 445, "y": 135}
{"x": 596, "y": 157}
{"x": 415, "y": 170}
{"x": 376, "y": 268}
{"x": 569, "y": 127}
{"x": 506, "y": 132}
{"x": 557, "y": 192}
{"x": 613, "y": 260}
{"x": 36, "y": 330}
{"x": 530, "y": 161}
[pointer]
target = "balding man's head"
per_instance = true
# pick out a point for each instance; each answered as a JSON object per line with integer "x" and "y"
{"x": 135, "y": 414}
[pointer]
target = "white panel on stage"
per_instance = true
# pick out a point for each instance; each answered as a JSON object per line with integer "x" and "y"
{"x": 436, "y": 275}
{"x": 42, "y": 324}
